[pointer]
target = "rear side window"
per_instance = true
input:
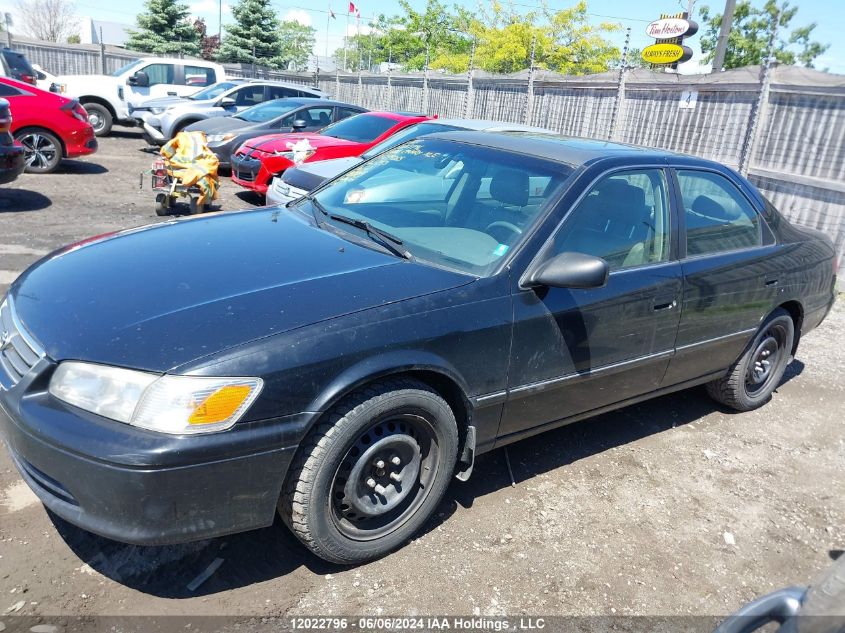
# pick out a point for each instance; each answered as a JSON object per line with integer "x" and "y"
{"x": 249, "y": 96}
{"x": 343, "y": 113}
{"x": 8, "y": 91}
{"x": 159, "y": 73}
{"x": 718, "y": 217}
{"x": 280, "y": 92}
{"x": 199, "y": 76}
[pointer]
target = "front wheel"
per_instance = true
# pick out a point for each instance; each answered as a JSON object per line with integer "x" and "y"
{"x": 99, "y": 117}
{"x": 758, "y": 372}
{"x": 372, "y": 472}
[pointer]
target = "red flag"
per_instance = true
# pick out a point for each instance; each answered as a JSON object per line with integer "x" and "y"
{"x": 351, "y": 7}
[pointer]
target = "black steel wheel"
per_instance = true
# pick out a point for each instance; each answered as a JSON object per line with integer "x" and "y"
{"x": 368, "y": 477}
{"x": 753, "y": 378}
{"x": 42, "y": 150}
{"x": 163, "y": 204}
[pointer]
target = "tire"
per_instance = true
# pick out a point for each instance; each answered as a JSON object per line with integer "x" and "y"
{"x": 162, "y": 204}
{"x": 99, "y": 117}
{"x": 43, "y": 150}
{"x": 752, "y": 379}
{"x": 345, "y": 497}
{"x": 194, "y": 207}
{"x": 824, "y": 602}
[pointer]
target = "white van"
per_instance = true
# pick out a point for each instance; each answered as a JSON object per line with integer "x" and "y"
{"x": 107, "y": 97}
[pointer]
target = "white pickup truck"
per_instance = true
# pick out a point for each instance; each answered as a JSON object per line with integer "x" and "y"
{"x": 107, "y": 97}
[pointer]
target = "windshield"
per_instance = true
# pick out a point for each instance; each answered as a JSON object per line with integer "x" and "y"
{"x": 213, "y": 91}
{"x": 127, "y": 67}
{"x": 455, "y": 205}
{"x": 361, "y": 128}
{"x": 406, "y": 134}
{"x": 268, "y": 110}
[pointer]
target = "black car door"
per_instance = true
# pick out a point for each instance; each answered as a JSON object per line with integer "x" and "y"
{"x": 575, "y": 350}
{"x": 730, "y": 277}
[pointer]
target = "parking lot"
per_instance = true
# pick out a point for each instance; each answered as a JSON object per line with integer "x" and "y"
{"x": 671, "y": 507}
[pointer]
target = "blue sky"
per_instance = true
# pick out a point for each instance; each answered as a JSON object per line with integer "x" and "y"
{"x": 831, "y": 22}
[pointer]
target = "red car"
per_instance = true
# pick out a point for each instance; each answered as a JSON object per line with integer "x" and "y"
{"x": 49, "y": 126}
{"x": 258, "y": 160}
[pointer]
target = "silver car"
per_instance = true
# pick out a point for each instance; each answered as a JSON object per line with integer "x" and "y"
{"x": 295, "y": 183}
{"x": 165, "y": 119}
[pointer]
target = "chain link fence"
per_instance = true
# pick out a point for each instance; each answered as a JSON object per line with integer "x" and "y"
{"x": 790, "y": 143}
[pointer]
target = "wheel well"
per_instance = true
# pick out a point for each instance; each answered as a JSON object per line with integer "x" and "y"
{"x": 181, "y": 125}
{"x": 36, "y": 128}
{"x": 796, "y": 311}
{"x": 99, "y": 101}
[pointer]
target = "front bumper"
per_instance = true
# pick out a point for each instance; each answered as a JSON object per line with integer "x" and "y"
{"x": 156, "y": 134}
{"x": 279, "y": 192}
{"x": 246, "y": 172}
{"x": 141, "y": 487}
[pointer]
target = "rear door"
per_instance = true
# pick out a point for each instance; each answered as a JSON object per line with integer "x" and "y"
{"x": 730, "y": 278}
{"x": 575, "y": 350}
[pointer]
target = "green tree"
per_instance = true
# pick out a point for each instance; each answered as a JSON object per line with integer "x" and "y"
{"x": 296, "y": 43}
{"x": 749, "y": 35}
{"x": 254, "y": 37}
{"x": 165, "y": 29}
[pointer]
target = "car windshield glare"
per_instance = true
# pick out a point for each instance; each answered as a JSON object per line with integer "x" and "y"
{"x": 212, "y": 91}
{"x": 266, "y": 111}
{"x": 361, "y": 128}
{"x": 452, "y": 204}
{"x": 406, "y": 134}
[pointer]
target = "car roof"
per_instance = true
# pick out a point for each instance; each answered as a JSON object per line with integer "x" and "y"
{"x": 558, "y": 148}
{"x": 397, "y": 116}
{"x": 312, "y": 101}
{"x": 286, "y": 84}
{"x": 488, "y": 125}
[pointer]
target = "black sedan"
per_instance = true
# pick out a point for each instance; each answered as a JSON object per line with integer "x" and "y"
{"x": 11, "y": 155}
{"x": 340, "y": 360}
{"x": 226, "y": 134}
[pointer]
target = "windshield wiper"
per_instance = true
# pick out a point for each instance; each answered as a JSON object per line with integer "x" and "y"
{"x": 388, "y": 240}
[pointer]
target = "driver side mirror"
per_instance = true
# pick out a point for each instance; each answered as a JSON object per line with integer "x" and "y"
{"x": 226, "y": 102}
{"x": 299, "y": 124}
{"x": 139, "y": 79}
{"x": 570, "y": 270}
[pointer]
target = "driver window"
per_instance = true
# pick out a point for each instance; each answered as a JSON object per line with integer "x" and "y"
{"x": 624, "y": 219}
{"x": 159, "y": 73}
{"x": 249, "y": 96}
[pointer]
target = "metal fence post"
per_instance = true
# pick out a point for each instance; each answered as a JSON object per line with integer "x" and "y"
{"x": 425, "y": 80}
{"x": 360, "y": 87}
{"x": 469, "y": 97}
{"x": 388, "y": 94}
{"x": 336, "y": 82}
{"x": 759, "y": 107}
{"x": 618, "y": 114}
{"x": 529, "y": 96}
{"x": 102, "y": 54}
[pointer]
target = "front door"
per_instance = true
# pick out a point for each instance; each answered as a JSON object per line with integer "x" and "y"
{"x": 575, "y": 350}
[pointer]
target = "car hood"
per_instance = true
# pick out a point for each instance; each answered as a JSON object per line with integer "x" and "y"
{"x": 160, "y": 102}
{"x": 281, "y": 142}
{"x": 330, "y": 168}
{"x": 222, "y": 124}
{"x": 160, "y": 296}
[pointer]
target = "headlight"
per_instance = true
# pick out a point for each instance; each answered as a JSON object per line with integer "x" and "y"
{"x": 157, "y": 110}
{"x": 219, "y": 138}
{"x": 296, "y": 157}
{"x": 168, "y": 404}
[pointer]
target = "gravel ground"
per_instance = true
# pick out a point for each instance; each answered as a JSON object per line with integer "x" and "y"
{"x": 669, "y": 507}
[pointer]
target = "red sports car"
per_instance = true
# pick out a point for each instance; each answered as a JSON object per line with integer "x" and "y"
{"x": 48, "y": 125}
{"x": 258, "y": 160}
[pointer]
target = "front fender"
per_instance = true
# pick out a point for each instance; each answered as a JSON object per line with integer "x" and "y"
{"x": 382, "y": 365}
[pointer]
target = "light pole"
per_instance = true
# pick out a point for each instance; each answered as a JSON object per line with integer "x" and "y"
{"x": 724, "y": 32}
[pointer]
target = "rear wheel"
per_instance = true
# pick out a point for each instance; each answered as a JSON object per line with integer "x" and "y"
{"x": 370, "y": 475}
{"x": 42, "y": 150}
{"x": 99, "y": 117}
{"x": 194, "y": 206}
{"x": 163, "y": 204}
{"x": 758, "y": 372}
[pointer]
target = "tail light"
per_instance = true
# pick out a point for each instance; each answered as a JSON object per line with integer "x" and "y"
{"x": 75, "y": 110}
{"x": 30, "y": 79}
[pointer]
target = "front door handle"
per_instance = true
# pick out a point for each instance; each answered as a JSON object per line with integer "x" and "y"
{"x": 771, "y": 282}
{"x": 662, "y": 304}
